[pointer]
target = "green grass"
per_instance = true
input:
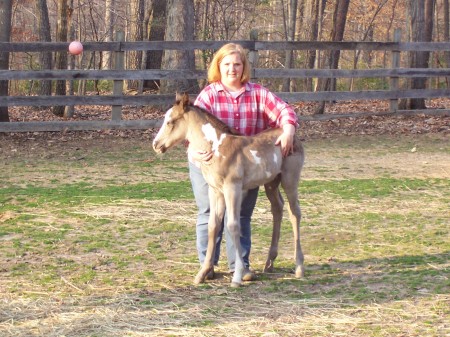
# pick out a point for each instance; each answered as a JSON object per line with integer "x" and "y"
{"x": 72, "y": 194}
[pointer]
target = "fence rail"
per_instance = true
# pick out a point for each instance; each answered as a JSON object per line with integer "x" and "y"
{"x": 212, "y": 45}
{"x": 393, "y": 73}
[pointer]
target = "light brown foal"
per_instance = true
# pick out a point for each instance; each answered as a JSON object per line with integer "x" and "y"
{"x": 239, "y": 163}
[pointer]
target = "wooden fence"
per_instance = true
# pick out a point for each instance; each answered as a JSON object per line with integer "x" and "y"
{"x": 118, "y": 99}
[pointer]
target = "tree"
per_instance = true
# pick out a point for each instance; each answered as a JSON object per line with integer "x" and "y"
{"x": 110, "y": 18}
{"x": 337, "y": 34}
{"x": 312, "y": 28}
{"x": 156, "y": 29}
{"x": 45, "y": 58}
{"x": 61, "y": 57}
{"x": 180, "y": 27}
{"x": 421, "y": 22}
{"x": 135, "y": 33}
{"x": 5, "y": 36}
{"x": 290, "y": 36}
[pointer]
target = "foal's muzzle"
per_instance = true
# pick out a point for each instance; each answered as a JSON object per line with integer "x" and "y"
{"x": 159, "y": 148}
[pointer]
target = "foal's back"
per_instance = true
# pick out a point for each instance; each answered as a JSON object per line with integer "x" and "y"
{"x": 253, "y": 161}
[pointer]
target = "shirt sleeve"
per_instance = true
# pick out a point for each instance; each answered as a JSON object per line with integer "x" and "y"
{"x": 204, "y": 99}
{"x": 279, "y": 112}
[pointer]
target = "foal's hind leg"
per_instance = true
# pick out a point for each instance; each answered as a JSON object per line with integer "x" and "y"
{"x": 290, "y": 184}
{"x": 276, "y": 205}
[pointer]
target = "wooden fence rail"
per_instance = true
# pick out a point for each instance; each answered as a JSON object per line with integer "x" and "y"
{"x": 118, "y": 76}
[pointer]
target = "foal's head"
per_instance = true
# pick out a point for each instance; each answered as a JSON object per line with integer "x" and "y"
{"x": 175, "y": 124}
{"x": 174, "y": 127}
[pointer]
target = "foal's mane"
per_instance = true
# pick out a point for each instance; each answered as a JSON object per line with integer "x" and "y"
{"x": 215, "y": 122}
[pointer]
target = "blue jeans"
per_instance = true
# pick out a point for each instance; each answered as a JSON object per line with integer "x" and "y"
{"x": 200, "y": 188}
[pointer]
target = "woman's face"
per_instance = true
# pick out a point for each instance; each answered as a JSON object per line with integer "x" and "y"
{"x": 231, "y": 68}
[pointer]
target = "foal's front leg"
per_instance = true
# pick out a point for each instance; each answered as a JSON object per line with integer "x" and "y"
{"x": 233, "y": 199}
{"x": 217, "y": 211}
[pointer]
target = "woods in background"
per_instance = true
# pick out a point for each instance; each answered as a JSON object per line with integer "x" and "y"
{"x": 273, "y": 20}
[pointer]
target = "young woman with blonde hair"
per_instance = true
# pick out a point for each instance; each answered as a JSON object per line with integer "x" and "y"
{"x": 249, "y": 108}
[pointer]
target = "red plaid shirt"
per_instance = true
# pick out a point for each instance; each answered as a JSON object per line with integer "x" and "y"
{"x": 254, "y": 109}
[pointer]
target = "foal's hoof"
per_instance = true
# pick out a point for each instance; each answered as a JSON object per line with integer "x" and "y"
{"x": 268, "y": 268}
{"x": 235, "y": 284}
{"x": 299, "y": 272}
{"x": 198, "y": 280}
{"x": 202, "y": 276}
{"x": 210, "y": 275}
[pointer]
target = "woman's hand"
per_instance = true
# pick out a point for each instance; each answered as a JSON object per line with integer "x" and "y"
{"x": 286, "y": 140}
{"x": 200, "y": 156}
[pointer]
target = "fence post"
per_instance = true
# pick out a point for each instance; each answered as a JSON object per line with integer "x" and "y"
{"x": 119, "y": 63}
{"x": 393, "y": 107}
{"x": 253, "y": 53}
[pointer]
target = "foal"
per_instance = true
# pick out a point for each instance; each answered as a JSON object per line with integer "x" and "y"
{"x": 239, "y": 163}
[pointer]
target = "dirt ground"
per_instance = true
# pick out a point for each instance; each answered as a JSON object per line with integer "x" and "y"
{"x": 78, "y": 145}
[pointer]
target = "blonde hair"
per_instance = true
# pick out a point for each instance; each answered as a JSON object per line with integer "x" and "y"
{"x": 225, "y": 50}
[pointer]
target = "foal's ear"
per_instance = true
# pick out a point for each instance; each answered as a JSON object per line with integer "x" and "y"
{"x": 185, "y": 100}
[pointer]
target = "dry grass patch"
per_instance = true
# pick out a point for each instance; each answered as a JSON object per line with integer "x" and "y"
{"x": 103, "y": 244}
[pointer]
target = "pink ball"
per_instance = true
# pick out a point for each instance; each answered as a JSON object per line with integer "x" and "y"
{"x": 75, "y": 48}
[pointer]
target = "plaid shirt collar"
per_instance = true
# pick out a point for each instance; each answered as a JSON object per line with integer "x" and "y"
{"x": 220, "y": 87}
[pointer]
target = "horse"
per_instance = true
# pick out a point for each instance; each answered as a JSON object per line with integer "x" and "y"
{"x": 239, "y": 163}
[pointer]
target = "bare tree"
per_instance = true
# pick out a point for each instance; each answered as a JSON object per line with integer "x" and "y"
{"x": 45, "y": 58}
{"x": 421, "y": 29}
{"x": 290, "y": 36}
{"x": 61, "y": 57}
{"x": 337, "y": 34}
{"x": 110, "y": 17}
{"x": 312, "y": 26}
{"x": 156, "y": 29}
{"x": 135, "y": 33}
{"x": 5, "y": 35}
{"x": 447, "y": 34}
{"x": 180, "y": 27}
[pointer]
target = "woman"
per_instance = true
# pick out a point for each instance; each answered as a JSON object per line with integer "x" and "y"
{"x": 249, "y": 108}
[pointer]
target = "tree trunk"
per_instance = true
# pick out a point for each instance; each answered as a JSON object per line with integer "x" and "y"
{"x": 136, "y": 33}
{"x": 110, "y": 19}
{"x": 5, "y": 35}
{"x": 447, "y": 35}
{"x": 290, "y": 36}
{"x": 421, "y": 31}
{"x": 337, "y": 35}
{"x": 180, "y": 27}
{"x": 70, "y": 109}
{"x": 157, "y": 27}
{"x": 315, "y": 12}
{"x": 61, "y": 57}
{"x": 45, "y": 58}
{"x": 205, "y": 32}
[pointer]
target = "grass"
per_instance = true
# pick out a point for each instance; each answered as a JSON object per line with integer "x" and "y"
{"x": 89, "y": 252}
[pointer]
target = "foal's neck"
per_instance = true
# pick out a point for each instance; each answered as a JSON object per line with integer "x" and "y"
{"x": 203, "y": 134}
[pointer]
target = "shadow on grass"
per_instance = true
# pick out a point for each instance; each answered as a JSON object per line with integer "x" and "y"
{"x": 369, "y": 280}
